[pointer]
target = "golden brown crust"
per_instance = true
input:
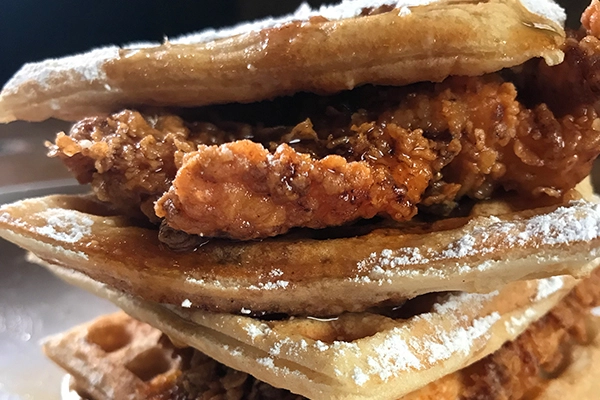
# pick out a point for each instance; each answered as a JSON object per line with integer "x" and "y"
{"x": 590, "y": 19}
{"x": 242, "y": 191}
{"x": 428, "y": 43}
{"x": 239, "y": 190}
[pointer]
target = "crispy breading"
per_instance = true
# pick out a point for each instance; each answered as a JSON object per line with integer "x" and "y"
{"x": 590, "y": 19}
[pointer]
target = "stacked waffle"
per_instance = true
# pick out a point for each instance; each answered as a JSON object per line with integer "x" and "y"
{"x": 416, "y": 240}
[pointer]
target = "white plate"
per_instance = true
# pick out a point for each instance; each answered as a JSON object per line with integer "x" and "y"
{"x": 33, "y": 305}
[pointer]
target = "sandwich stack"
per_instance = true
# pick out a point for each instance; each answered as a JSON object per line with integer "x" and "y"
{"x": 371, "y": 200}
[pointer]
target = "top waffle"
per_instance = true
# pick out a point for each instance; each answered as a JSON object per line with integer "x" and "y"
{"x": 324, "y": 51}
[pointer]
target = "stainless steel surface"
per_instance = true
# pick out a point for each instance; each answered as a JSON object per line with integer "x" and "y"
{"x": 33, "y": 305}
{"x": 23, "y": 154}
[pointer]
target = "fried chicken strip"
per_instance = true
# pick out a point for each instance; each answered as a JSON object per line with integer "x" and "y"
{"x": 590, "y": 19}
{"x": 371, "y": 151}
{"x": 240, "y": 190}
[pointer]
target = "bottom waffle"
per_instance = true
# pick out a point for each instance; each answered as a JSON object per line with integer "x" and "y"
{"x": 117, "y": 357}
{"x": 354, "y": 356}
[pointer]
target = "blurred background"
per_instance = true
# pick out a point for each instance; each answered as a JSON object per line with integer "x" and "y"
{"x": 32, "y": 30}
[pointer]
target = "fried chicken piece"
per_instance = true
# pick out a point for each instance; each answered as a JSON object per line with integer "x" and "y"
{"x": 557, "y": 137}
{"x": 232, "y": 192}
{"x": 242, "y": 191}
{"x": 130, "y": 160}
{"x": 590, "y": 19}
{"x": 393, "y": 149}
{"x": 565, "y": 87}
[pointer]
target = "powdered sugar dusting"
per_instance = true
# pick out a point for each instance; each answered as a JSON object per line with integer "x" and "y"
{"x": 548, "y": 286}
{"x": 5, "y": 217}
{"x": 577, "y": 222}
{"x": 269, "y": 362}
{"x": 195, "y": 281}
{"x": 456, "y": 302}
{"x": 517, "y": 324}
{"x": 87, "y": 65}
{"x": 442, "y": 345}
{"x": 186, "y": 303}
{"x": 359, "y": 376}
{"x": 393, "y": 355}
{"x": 546, "y": 8}
{"x": 396, "y": 350}
{"x": 257, "y": 330}
{"x": 275, "y": 272}
{"x": 270, "y": 285}
{"x": 64, "y": 226}
{"x": 260, "y": 286}
{"x": 400, "y": 351}
{"x": 344, "y": 10}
